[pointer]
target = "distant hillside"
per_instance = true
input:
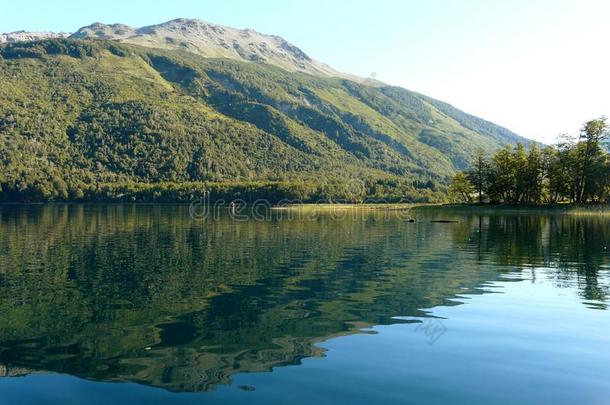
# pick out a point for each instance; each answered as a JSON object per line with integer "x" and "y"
{"x": 76, "y": 114}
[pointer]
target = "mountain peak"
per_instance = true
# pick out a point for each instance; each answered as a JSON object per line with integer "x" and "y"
{"x": 105, "y": 31}
{"x": 201, "y": 38}
{"x": 214, "y": 41}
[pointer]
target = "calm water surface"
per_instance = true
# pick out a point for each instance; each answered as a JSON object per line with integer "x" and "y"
{"x": 143, "y": 304}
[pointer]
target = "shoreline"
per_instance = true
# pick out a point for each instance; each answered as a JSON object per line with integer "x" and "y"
{"x": 363, "y": 207}
{"x": 565, "y": 208}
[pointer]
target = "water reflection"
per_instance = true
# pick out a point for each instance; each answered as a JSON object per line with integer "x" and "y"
{"x": 145, "y": 294}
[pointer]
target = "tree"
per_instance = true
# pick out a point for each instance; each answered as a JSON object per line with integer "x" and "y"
{"x": 519, "y": 166}
{"x": 502, "y": 176}
{"x": 461, "y": 188}
{"x": 479, "y": 173}
{"x": 557, "y": 178}
{"x": 589, "y": 153}
{"x": 533, "y": 181}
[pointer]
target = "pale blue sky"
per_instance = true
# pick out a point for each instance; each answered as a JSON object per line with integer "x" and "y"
{"x": 539, "y": 67}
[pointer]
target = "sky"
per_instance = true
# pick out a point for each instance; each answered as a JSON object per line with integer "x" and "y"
{"x": 538, "y": 67}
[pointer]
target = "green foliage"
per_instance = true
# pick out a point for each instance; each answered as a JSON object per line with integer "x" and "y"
{"x": 77, "y": 116}
{"x": 576, "y": 172}
{"x": 461, "y": 188}
{"x": 54, "y": 47}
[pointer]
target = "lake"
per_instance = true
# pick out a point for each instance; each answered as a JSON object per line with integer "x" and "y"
{"x": 128, "y": 304}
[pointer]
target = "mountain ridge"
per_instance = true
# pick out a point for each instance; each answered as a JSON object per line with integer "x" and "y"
{"x": 212, "y": 40}
{"x": 95, "y": 111}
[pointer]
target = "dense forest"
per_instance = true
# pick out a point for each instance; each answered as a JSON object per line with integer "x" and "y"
{"x": 576, "y": 170}
{"x": 92, "y": 120}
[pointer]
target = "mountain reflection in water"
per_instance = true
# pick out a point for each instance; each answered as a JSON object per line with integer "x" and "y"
{"x": 145, "y": 294}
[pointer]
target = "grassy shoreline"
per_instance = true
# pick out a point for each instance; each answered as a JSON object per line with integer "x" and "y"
{"x": 570, "y": 209}
{"x": 365, "y": 207}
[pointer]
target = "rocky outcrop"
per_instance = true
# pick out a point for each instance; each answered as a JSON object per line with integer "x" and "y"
{"x": 8, "y": 371}
{"x": 24, "y": 36}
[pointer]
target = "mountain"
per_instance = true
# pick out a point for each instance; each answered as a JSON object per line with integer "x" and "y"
{"x": 23, "y": 36}
{"x": 212, "y": 41}
{"x": 97, "y": 118}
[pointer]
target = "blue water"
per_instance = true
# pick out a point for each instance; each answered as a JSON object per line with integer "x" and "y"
{"x": 119, "y": 305}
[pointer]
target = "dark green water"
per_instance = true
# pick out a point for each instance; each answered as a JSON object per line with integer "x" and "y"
{"x": 143, "y": 304}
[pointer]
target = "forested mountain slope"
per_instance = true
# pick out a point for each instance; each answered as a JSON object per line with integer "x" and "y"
{"x": 78, "y": 114}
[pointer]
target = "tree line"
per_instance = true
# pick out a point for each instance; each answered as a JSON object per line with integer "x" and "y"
{"x": 576, "y": 170}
